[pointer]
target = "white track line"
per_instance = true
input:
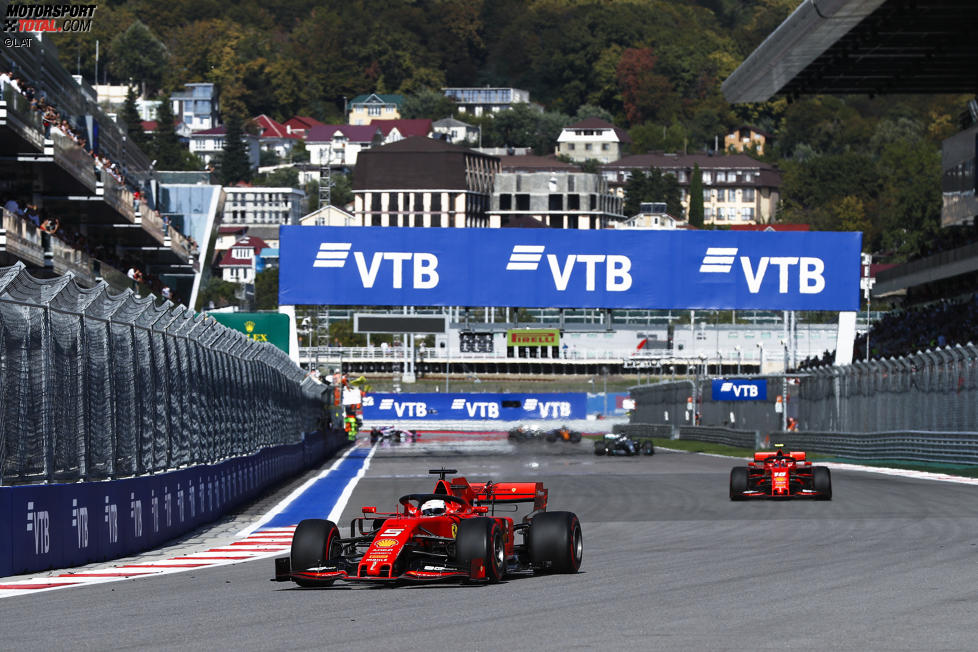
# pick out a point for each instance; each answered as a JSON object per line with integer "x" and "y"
{"x": 295, "y": 494}
{"x": 350, "y": 486}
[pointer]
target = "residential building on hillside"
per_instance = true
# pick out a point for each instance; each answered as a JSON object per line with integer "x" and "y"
{"x": 652, "y": 216}
{"x": 737, "y": 189}
{"x": 486, "y": 100}
{"x": 196, "y": 106}
{"x": 258, "y": 205}
{"x": 395, "y": 130}
{"x": 208, "y": 144}
{"x": 458, "y": 132}
{"x": 745, "y": 137}
{"x": 237, "y": 264}
{"x": 330, "y": 216}
{"x": 551, "y": 193}
{"x": 300, "y": 125}
{"x": 364, "y": 108}
{"x": 593, "y": 138}
{"x": 423, "y": 182}
{"x": 273, "y": 136}
{"x": 339, "y": 145}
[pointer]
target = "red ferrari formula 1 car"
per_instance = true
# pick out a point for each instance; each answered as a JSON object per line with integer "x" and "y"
{"x": 780, "y": 475}
{"x": 453, "y": 533}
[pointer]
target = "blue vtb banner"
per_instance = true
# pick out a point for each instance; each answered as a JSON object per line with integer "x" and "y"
{"x": 475, "y": 407}
{"x": 393, "y": 266}
{"x": 739, "y": 390}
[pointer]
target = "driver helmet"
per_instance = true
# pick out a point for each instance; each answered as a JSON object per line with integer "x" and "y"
{"x": 433, "y": 507}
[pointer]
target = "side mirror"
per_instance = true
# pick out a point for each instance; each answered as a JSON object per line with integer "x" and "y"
{"x": 369, "y": 510}
{"x": 480, "y": 509}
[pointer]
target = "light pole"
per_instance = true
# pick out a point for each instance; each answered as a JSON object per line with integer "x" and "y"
{"x": 784, "y": 389}
{"x": 604, "y": 372}
{"x": 760, "y": 365}
{"x": 740, "y": 357}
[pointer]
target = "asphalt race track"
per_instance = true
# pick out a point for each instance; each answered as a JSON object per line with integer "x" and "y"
{"x": 669, "y": 564}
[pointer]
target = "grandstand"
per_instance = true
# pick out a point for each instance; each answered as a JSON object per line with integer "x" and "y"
{"x": 65, "y": 162}
{"x": 881, "y": 47}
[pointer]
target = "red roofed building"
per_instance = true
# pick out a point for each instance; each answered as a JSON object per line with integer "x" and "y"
{"x": 395, "y": 130}
{"x": 273, "y": 136}
{"x": 300, "y": 125}
{"x": 237, "y": 265}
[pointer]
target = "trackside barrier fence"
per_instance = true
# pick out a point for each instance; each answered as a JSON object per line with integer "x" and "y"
{"x": 910, "y": 446}
{"x": 63, "y": 525}
{"x": 934, "y": 390}
{"x": 97, "y": 386}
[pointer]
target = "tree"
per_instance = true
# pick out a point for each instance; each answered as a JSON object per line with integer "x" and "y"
{"x": 235, "y": 165}
{"x": 653, "y": 187}
{"x": 696, "y": 198}
{"x": 266, "y": 289}
{"x": 137, "y": 54}
{"x": 647, "y": 95}
{"x": 218, "y": 293}
{"x": 166, "y": 147}
{"x": 428, "y": 104}
{"x": 134, "y": 126}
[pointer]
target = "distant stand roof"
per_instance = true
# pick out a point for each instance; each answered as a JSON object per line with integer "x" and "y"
{"x": 864, "y": 46}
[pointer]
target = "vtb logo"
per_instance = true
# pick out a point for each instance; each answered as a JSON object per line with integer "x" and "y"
{"x": 423, "y": 266}
{"x": 616, "y": 267}
{"x": 740, "y": 390}
{"x": 720, "y": 260}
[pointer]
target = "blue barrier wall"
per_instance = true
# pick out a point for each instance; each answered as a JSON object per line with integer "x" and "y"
{"x": 65, "y": 525}
{"x": 474, "y": 407}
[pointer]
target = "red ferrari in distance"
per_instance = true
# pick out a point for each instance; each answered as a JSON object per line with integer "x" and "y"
{"x": 453, "y": 533}
{"x": 780, "y": 475}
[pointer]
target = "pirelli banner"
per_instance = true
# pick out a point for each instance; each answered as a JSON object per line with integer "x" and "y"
{"x": 533, "y": 337}
{"x": 397, "y": 266}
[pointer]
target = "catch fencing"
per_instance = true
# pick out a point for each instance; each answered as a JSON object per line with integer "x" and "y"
{"x": 934, "y": 390}
{"x": 922, "y": 407}
{"x": 96, "y": 386}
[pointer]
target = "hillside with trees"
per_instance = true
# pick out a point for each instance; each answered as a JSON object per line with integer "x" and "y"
{"x": 653, "y": 67}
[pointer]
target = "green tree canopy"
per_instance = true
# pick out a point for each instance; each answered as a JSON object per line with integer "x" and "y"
{"x": 696, "y": 198}
{"x": 653, "y": 186}
{"x": 235, "y": 165}
{"x": 137, "y": 54}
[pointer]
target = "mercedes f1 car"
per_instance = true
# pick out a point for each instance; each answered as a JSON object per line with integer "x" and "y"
{"x": 392, "y": 434}
{"x": 613, "y": 444}
{"x": 780, "y": 475}
{"x": 524, "y": 432}
{"x": 453, "y": 533}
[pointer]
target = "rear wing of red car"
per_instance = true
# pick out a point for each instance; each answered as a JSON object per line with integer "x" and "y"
{"x": 499, "y": 492}
{"x": 798, "y": 456}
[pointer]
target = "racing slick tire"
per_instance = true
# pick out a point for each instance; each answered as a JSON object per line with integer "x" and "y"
{"x": 600, "y": 448}
{"x": 822, "y": 482}
{"x": 315, "y": 541}
{"x": 551, "y": 437}
{"x": 555, "y": 539}
{"x": 648, "y": 448}
{"x": 481, "y": 538}
{"x": 575, "y": 437}
{"x": 738, "y": 482}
